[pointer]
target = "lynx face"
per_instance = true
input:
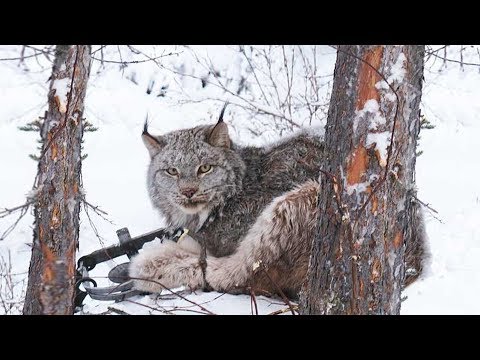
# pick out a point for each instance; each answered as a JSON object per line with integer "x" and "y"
{"x": 192, "y": 170}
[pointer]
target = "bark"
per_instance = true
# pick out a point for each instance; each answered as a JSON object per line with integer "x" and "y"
{"x": 357, "y": 262}
{"x": 51, "y": 278}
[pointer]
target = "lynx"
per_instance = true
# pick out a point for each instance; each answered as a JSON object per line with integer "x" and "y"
{"x": 254, "y": 209}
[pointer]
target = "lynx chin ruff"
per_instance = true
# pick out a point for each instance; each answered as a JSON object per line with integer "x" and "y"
{"x": 254, "y": 208}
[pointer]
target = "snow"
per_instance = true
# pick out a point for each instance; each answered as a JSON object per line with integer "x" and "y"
{"x": 358, "y": 188}
{"x": 61, "y": 87}
{"x": 398, "y": 69}
{"x": 381, "y": 141}
{"x": 371, "y": 107}
{"x": 114, "y": 171}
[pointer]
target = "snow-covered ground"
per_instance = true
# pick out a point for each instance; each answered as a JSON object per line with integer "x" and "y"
{"x": 114, "y": 172}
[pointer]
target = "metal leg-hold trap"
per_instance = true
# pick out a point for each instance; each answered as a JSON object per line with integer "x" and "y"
{"x": 127, "y": 246}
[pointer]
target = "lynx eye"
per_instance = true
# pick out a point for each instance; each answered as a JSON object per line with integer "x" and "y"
{"x": 204, "y": 169}
{"x": 172, "y": 171}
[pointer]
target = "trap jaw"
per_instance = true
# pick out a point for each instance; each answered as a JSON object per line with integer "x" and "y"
{"x": 119, "y": 274}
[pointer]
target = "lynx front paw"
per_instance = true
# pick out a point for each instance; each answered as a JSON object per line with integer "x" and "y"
{"x": 164, "y": 266}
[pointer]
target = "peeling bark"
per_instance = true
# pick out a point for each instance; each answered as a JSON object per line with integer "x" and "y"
{"x": 368, "y": 77}
{"x": 51, "y": 279}
{"x": 365, "y": 222}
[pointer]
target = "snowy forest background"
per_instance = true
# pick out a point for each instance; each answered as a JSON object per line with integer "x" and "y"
{"x": 273, "y": 92}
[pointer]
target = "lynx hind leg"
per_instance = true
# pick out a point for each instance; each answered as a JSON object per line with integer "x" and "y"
{"x": 167, "y": 265}
{"x": 279, "y": 241}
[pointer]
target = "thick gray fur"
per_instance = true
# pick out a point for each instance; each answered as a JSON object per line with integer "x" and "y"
{"x": 257, "y": 211}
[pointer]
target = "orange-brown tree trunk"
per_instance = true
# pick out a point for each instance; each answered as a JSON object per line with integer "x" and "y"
{"x": 357, "y": 262}
{"x": 51, "y": 278}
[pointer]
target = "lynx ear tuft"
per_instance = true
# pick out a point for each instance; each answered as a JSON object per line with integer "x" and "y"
{"x": 219, "y": 136}
{"x": 220, "y": 118}
{"x": 153, "y": 143}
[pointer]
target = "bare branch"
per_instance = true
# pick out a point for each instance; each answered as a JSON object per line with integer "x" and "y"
{"x": 154, "y": 59}
{"x": 175, "y": 293}
{"x": 282, "y": 311}
{"x": 253, "y": 301}
{"x": 242, "y": 50}
{"x": 432, "y": 210}
{"x": 461, "y": 62}
{"x": 23, "y": 211}
{"x": 280, "y": 291}
{"x": 5, "y": 212}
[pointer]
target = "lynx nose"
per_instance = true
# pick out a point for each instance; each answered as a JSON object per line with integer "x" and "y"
{"x": 188, "y": 192}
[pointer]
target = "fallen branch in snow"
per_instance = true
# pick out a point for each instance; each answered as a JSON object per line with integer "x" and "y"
{"x": 176, "y": 293}
{"x": 171, "y": 312}
{"x": 166, "y": 311}
{"x": 282, "y": 311}
{"x": 159, "y": 308}
{"x": 117, "y": 311}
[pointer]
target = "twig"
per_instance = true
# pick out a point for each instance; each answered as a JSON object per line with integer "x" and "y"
{"x": 22, "y": 55}
{"x": 97, "y": 210}
{"x": 253, "y": 301}
{"x": 99, "y": 49}
{"x": 431, "y": 52}
{"x": 432, "y": 210}
{"x": 133, "y": 61}
{"x": 14, "y": 225}
{"x": 455, "y": 61}
{"x": 189, "y": 306}
{"x": 250, "y": 105}
{"x": 159, "y": 309}
{"x": 282, "y": 311}
{"x": 171, "y": 311}
{"x": 93, "y": 226}
{"x": 19, "y": 58}
{"x": 242, "y": 50}
{"x": 280, "y": 291}
{"x": 175, "y": 293}
{"x": 6, "y": 212}
{"x": 42, "y": 51}
{"x": 117, "y": 311}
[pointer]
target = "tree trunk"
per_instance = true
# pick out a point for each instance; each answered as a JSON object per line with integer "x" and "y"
{"x": 357, "y": 262}
{"x": 51, "y": 278}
